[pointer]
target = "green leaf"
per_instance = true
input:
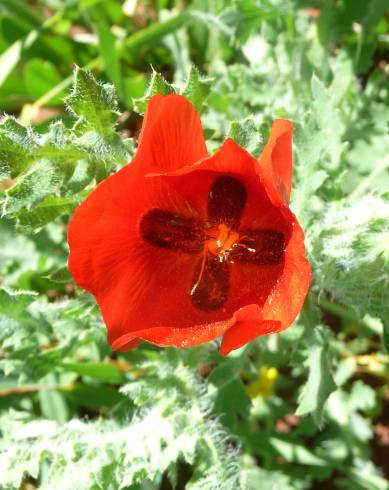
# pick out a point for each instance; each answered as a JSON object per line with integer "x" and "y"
{"x": 102, "y": 445}
{"x": 319, "y": 147}
{"x": 40, "y": 183}
{"x": 45, "y": 212}
{"x": 366, "y": 476}
{"x": 293, "y": 452}
{"x": 320, "y": 383}
{"x": 106, "y": 372}
{"x": 39, "y": 335}
{"x": 41, "y": 165}
{"x": 96, "y": 107}
{"x": 362, "y": 396}
{"x": 157, "y": 85}
{"x": 246, "y": 134}
{"x": 328, "y": 121}
{"x": 197, "y": 88}
{"x": 109, "y": 53}
{"x": 13, "y": 304}
{"x": 22, "y": 11}
{"x": 18, "y": 255}
{"x": 11, "y": 56}
{"x": 94, "y": 103}
{"x": 385, "y": 336}
{"x": 49, "y": 169}
{"x": 350, "y": 254}
{"x": 210, "y": 20}
{"x": 152, "y": 34}
{"x": 232, "y": 413}
{"x": 225, "y": 372}
{"x": 39, "y": 77}
{"x": 52, "y": 402}
{"x": 9, "y": 59}
{"x": 267, "y": 480}
{"x": 61, "y": 275}
{"x": 17, "y": 144}
{"x": 94, "y": 396}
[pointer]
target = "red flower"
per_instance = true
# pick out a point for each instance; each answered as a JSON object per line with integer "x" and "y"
{"x": 180, "y": 247}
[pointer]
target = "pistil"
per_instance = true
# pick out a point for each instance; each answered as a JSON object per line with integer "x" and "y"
{"x": 222, "y": 240}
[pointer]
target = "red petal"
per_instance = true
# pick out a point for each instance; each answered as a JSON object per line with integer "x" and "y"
{"x": 287, "y": 299}
{"x": 198, "y": 334}
{"x": 243, "y": 332}
{"x": 276, "y": 160}
{"x": 171, "y": 135}
{"x": 179, "y": 337}
{"x": 284, "y": 302}
{"x": 132, "y": 344}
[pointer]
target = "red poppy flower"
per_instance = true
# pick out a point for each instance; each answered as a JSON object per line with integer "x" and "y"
{"x": 180, "y": 247}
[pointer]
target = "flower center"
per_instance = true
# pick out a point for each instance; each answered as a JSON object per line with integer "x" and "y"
{"x": 222, "y": 240}
{"x": 215, "y": 241}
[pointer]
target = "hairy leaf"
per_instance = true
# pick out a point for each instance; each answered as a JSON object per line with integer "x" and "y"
{"x": 246, "y": 134}
{"x": 320, "y": 383}
{"x": 350, "y": 254}
{"x": 197, "y": 88}
{"x": 157, "y": 85}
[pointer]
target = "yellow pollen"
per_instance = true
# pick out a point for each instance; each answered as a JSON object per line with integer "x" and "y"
{"x": 223, "y": 239}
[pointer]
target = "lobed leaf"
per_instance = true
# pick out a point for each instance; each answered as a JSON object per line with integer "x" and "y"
{"x": 93, "y": 103}
{"x": 197, "y": 88}
{"x": 157, "y": 85}
{"x": 79, "y": 455}
{"x": 350, "y": 255}
{"x": 246, "y": 134}
{"x": 320, "y": 383}
{"x": 49, "y": 170}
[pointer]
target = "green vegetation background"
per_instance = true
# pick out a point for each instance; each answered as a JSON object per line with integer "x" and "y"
{"x": 308, "y": 408}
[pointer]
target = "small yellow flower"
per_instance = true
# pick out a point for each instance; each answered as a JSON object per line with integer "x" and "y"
{"x": 264, "y": 384}
{"x": 373, "y": 363}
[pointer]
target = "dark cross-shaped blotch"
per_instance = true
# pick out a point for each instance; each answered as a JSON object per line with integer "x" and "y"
{"x": 218, "y": 241}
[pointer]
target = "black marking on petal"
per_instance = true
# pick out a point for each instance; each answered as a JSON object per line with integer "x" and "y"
{"x": 260, "y": 247}
{"x": 210, "y": 288}
{"x": 226, "y": 201}
{"x": 165, "y": 229}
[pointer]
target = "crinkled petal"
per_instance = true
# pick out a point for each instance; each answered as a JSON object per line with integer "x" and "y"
{"x": 243, "y": 332}
{"x": 286, "y": 300}
{"x": 276, "y": 161}
{"x": 171, "y": 135}
{"x": 198, "y": 334}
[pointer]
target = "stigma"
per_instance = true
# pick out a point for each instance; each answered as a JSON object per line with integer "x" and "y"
{"x": 222, "y": 239}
